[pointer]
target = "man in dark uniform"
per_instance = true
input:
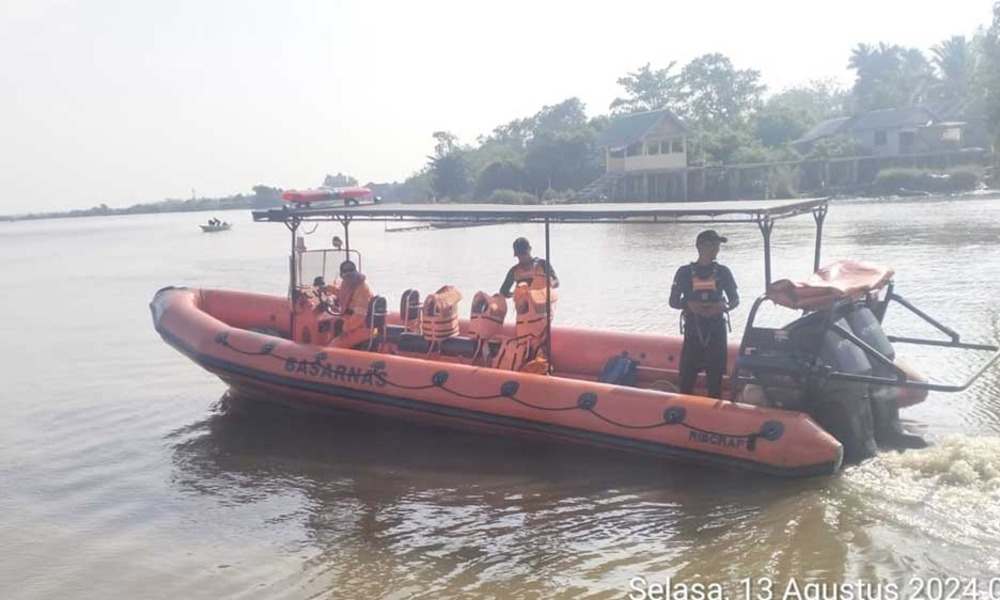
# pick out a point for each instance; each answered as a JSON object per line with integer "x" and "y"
{"x": 704, "y": 290}
{"x": 526, "y": 269}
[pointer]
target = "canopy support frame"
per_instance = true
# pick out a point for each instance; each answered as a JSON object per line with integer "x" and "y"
{"x": 548, "y": 300}
{"x": 819, "y": 215}
{"x": 293, "y": 226}
{"x": 766, "y": 225}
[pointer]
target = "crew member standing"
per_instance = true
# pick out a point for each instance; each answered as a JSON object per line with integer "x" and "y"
{"x": 704, "y": 291}
{"x": 527, "y": 269}
{"x": 532, "y": 282}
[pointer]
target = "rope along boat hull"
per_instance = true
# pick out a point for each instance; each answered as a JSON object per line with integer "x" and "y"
{"x": 216, "y": 329}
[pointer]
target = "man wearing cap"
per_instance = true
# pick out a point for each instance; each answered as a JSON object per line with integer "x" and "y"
{"x": 353, "y": 296}
{"x": 526, "y": 269}
{"x": 704, "y": 291}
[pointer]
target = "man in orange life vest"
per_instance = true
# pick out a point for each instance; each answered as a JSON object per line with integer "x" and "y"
{"x": 704, "y": 290}
{"x": 526, "y": 269}
{"x": 353, "y": 296}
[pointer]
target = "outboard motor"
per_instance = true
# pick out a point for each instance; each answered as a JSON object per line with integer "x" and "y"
{"x": 808, "y": 365}
{"x": 843, "y": 408}
{"x": 836, "y": 363}
{"x": 885, "y": 400}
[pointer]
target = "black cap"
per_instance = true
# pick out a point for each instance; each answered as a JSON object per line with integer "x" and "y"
{"x": 710, "y": 235}
{"x": 521, "y": 245}
{"x": 348, "y": 267}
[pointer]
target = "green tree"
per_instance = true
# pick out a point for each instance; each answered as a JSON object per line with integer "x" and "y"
{"x": 567, "y": 115}
{"x": 449, "y": 168}
{"x": 417, "y": 187}
{"x": 445, "y": 142}
{"x": 339, "y": 180}
{"x": 500, "y": 175}
{"x": 648, "y": 89}
{"x": 777, "y": 124}
{"x": 718, "y": 100}
{"x": 954, "y": 60}
{"x": 989, "y": 76}
{"x": 264, "y": 196}
{"x": 715, "y": 93}
{"x": 786, "y": 116}
{"x": 889, "y": 76}
{"x": 562, "y": 160}
{"x": 835, "y": 147}
{"x": 555, "y": 146}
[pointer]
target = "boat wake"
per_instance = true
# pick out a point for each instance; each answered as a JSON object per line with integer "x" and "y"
{"x": 949, "y": 491}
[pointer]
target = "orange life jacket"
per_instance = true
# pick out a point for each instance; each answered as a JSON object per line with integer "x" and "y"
{"x": 530, "y": 273}
{"x": 513, "y": 354}
{"x": 439, "y": 318}
{"x": 353, "y": 296}
{"x": 487, "y": 316}
{"x": 531, "y": 306}
{"x": 706, "y": 297}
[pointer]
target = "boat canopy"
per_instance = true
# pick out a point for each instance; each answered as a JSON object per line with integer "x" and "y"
{"x": 740, "y": 211}
{"x": 763, "y": 213}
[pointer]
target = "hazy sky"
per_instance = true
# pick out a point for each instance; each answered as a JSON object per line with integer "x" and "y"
{"x": 133, "y": 101}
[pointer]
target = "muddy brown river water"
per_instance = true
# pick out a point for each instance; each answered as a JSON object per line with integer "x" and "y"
{"x": 126, "y": 473}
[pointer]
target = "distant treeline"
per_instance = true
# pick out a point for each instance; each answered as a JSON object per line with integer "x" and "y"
{"x": 731, "y": 117}
{"x": 262, "y": 197}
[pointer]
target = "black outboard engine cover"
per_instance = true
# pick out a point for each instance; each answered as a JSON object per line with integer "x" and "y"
{"x": 841, "y": 407}
{"x": 885, "y": 408}
{"x": 864, "y": 324}
{"x": 844, "y": 408}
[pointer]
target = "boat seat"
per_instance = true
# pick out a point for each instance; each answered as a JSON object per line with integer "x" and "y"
{"x": 375, "y": 322}
{"x": 409, "y": 310}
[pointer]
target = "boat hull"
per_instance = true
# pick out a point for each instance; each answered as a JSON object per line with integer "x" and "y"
{"x": 214, "y": 329}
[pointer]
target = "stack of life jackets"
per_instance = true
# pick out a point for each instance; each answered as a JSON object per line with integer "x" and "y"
{"x": 531, "y": 306}
{"x": 439, "y": 317}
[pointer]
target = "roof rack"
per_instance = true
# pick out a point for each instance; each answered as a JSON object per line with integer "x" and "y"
{"x": 763, "y": 213}
{"x": 741, "y": 211}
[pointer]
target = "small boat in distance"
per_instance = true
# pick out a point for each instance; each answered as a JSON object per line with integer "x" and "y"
{"x": 215, "y": 227}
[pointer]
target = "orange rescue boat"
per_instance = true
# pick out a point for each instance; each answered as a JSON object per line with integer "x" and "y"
{"x": 798, "y": 396}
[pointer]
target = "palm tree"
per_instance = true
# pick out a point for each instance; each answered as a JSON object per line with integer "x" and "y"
{"x": 917, "y": 76}
{"x": 889, "y": 76}
{"x": 955, "y": 62}
{"x": 878, "y": 70}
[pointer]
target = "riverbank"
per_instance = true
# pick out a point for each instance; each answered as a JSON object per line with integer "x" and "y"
{"x": 262, "y": 197}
